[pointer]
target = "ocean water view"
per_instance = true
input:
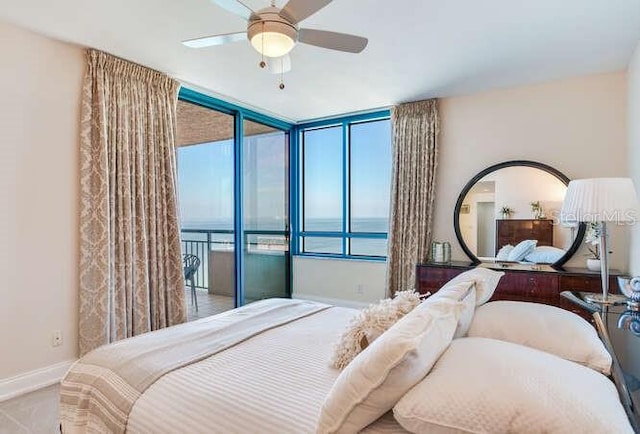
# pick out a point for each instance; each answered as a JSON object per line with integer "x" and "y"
{"x": 309, "y": 244}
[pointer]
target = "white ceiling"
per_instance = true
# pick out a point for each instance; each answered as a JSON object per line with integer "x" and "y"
{"x": 417, "y": 48}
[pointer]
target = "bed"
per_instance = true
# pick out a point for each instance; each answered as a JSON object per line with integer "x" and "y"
{"x": 264, "y": 368}
{"x": 276, "y": 367}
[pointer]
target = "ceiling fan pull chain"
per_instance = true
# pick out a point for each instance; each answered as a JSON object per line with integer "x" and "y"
{"x": 262, "y": 62}
{"x": 281, "y": 74}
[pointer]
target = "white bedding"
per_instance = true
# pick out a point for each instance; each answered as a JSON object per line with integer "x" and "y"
{"x": 272, "y": 378}
{"x": 275, "y": 382}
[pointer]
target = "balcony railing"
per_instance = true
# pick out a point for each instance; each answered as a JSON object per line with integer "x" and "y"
{"x": 202, "y": 242}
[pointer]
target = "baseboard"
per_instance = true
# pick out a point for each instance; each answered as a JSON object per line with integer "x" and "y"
{"x": 333, "y": 301}
{"x": 33, "y": 380}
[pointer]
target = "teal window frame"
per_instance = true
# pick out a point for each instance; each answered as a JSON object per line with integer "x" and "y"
{"x": 241, "y": 114}
{"x": 297, "y": 196}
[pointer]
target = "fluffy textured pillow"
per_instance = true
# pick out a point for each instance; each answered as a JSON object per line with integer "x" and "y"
{"x": 488, "y": 386}
{"x": 545, "y": 255}
{"x": 370, "y": 323}
{"x": 485, "y": 281}
{"x": 503, "y": 253}
{"x": 465, "y": 292}
{"x": 547, "y": 328}
{"x": 376, "y": 379}
{"x": 521, "y": 250}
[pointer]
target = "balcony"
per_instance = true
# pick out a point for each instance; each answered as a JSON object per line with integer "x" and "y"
{"x": 265, "y": 259}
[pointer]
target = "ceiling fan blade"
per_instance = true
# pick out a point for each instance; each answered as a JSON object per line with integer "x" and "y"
{"x": 279, "y": 65}
{"x": 297, "y": 10}
{"x": 333, "y": 40}
{"x": 236, "y": 7}
{"x": 208, "y": 41}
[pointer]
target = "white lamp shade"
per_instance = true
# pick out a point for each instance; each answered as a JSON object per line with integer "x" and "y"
{"x": 600, "y": 200}
{"x": 272, "y": 44}
{"x": 272, "y": 38}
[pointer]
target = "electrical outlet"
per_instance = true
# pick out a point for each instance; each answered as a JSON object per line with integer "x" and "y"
{"x": 56, "y": 338}
{"x": 360, "y": 288}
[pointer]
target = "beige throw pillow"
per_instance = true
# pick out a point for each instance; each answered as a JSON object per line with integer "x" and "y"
{"x": 486, "y": 281}
{"x": 370, "y": 323}
{"x": 547, "y": 328}
{"x": 464, "y": 292}
{"x": 488, "y": 386}
{"x": 376, "y": 379}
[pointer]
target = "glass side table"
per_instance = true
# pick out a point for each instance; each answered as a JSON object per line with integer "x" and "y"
{"x": 619, "y": 329}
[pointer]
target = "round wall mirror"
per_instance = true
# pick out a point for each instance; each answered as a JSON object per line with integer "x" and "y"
{"x": 509, "y": 212}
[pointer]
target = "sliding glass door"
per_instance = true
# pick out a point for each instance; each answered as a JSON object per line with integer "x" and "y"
{"x": 233, "y": 184}
{"x": 265, "y": 208}
{"x": 206, "y": 141}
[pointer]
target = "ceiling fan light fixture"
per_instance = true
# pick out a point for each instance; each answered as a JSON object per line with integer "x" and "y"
{"x": 272, "y": 38}
{"x": 275, "y": 44}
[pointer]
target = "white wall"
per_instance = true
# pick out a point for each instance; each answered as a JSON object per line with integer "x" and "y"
{"x": 633, "y": 116}
{"x": 349, "y": 283}
{"x": 40, "y": 82}
{"x": 517, "y": 187}
{"x": 634, "y": 150}
{"x": 469, "y": 222}
{"x": 577, "y": 126}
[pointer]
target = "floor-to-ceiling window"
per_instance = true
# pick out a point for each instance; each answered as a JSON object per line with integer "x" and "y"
{"x": 233, "y": 182}
{"x": 205, "y": 157}
{"x": 266, "y": 211}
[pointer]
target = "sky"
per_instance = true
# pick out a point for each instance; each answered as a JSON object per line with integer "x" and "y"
{"x": 205, "y": 176}
{"x": 205, "y": 181}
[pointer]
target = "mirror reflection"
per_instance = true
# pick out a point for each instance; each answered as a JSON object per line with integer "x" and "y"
{"x": 511, "y": 214}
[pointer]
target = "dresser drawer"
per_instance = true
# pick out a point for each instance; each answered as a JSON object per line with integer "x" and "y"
{"x": 580, "y": 283}
{"x": 431, "y": 279}
{"x": 588, "y": 283}
{"x": 528, "y": 284}
{"x": 535, "y": 287}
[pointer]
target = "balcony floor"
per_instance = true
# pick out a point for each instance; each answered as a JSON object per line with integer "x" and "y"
{"x": 208, "y": 304}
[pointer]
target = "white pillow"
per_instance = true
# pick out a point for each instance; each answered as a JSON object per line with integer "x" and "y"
{"x": 503, "y": 253}
{"x": 370, "y": 323}
{"x": 547, "y": 328}
{"x": 545, "y": 255}
{"x": 485, "y": 281}
{"x": 376, "y": 379}
{"x": 521, "y": 250}
{"x": 466, "y": 316}
{"x": 465, "y": 292}
{"x": 488, "y": 386}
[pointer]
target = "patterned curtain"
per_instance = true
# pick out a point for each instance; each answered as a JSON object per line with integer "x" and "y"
{"x": 131, "y": 277}
{"x": 415, "y": 158}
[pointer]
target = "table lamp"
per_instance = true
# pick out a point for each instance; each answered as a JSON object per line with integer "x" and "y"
{"x": 602, "y": 201}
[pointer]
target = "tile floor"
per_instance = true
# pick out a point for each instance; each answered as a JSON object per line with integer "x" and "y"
{"x": 33, "y": 413}
{"x": 37, "y": 412}
{"x": 208, "y": 304}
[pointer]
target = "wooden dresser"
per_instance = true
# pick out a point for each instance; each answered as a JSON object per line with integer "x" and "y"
{"x": 520, "y": 283}
{"x": 512, "y": 231}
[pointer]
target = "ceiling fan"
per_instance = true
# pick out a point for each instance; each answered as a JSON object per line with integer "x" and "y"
{"x": 273, "y": 32}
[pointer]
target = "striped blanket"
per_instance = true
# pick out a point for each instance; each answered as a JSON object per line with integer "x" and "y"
{"x": 100, "y": 390}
